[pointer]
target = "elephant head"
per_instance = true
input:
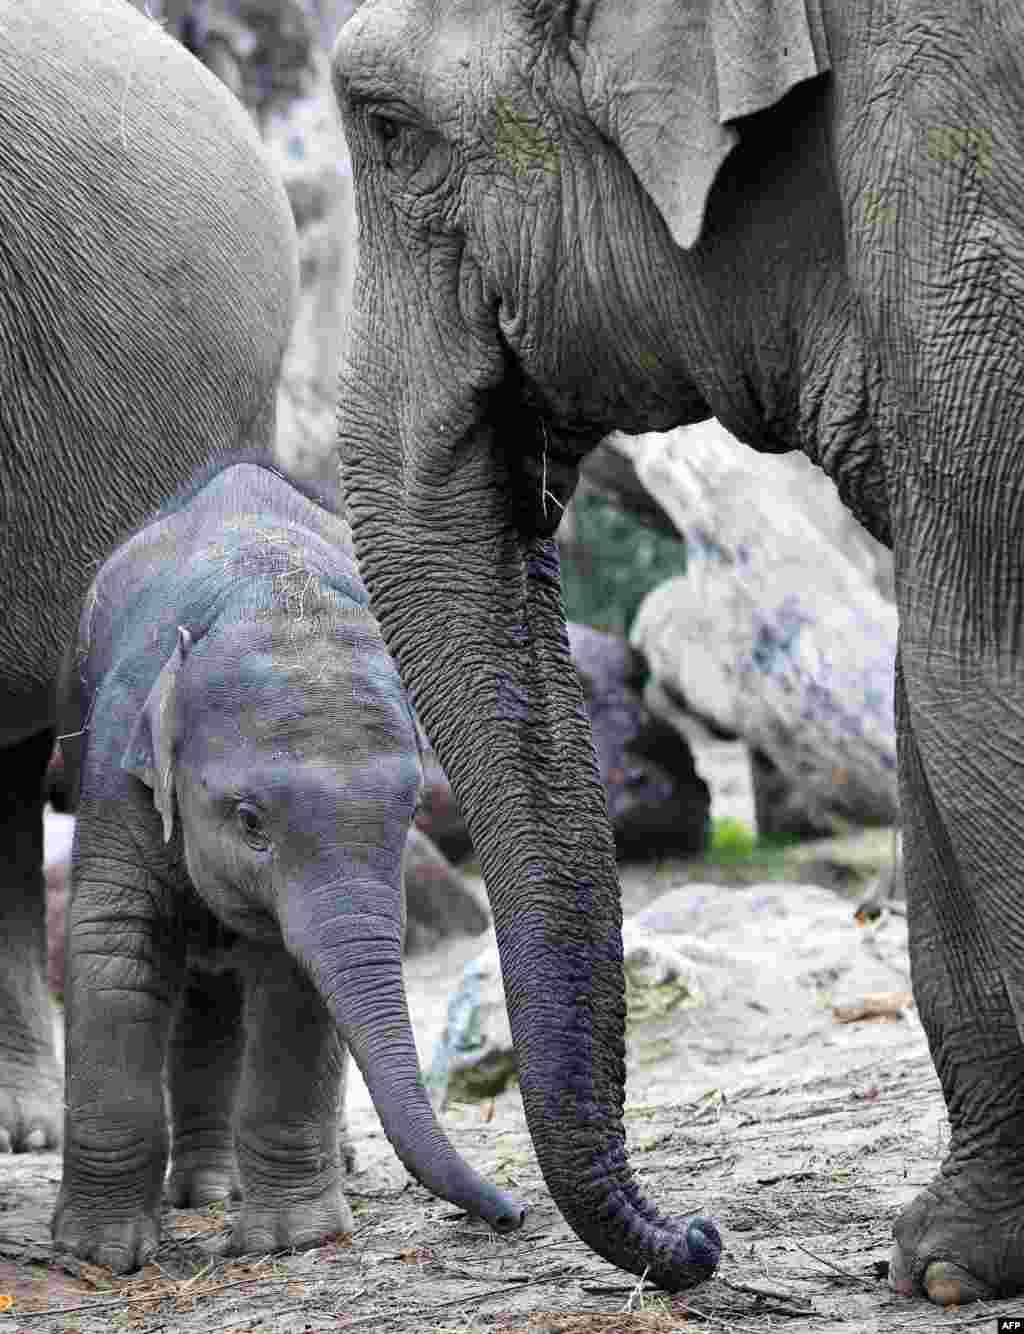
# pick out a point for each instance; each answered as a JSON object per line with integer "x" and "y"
{"x": 529, "y": 178}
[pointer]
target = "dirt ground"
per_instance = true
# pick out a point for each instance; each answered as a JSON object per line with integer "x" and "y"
{"x": 802, "y": 1136}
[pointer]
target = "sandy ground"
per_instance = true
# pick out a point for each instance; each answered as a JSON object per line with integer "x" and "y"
{"x": 801, "y": 1135}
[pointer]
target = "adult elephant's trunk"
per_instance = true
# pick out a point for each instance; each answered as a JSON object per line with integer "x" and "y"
{"x": 472, "y": 612}
{"x": 355, "y": 958}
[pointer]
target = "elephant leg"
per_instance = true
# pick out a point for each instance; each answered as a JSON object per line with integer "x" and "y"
{"x": 288, "y": 1117}
{"x": 31, "y": 1082}
{"x": 962, "y": 1238}
{"x": 124, "y": 976}
{"x": 203, "y": 1070}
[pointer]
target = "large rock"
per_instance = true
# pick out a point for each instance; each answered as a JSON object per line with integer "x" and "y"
{"x": 777, "y": 632}
{"x": 474, "y": 1058}
{"x": 438, "y": 900}
{"x": 657, "y": 801}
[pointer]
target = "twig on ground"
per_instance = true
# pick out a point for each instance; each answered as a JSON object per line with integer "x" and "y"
{"x": 637, "y": 1290}
{"x": 870, "y": 1284}
{"x": 755, "y": 1290}
{"x": 717, "y": 1320}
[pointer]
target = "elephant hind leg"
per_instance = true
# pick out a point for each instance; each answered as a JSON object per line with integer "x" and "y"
{"x": 31, "y": 1082}
{"x": 203, "y": 1069}
{"x": 962, "y": 1238}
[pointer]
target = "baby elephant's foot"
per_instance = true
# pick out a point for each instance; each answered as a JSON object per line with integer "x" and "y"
{"x": 284, "y": 1224}
{"x": 962, "y": 1239}
{"x": 120, "y": 1241}
{"x": 31, "y": 1105}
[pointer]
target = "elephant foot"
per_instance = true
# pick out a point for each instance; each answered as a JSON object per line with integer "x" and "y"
{"x": 194, "y": 1184}
{"x": 31, "y": 1105}
{"x": 959, "y": 1241}
{"x": 120, "y": 1243}
{"x": 264, "y": 1226}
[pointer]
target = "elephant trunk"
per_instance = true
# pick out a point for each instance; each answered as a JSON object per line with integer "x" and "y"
{"x": 356, "y": 963}
{"x": 472, "y": 612}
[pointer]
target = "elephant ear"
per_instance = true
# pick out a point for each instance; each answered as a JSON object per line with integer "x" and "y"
{"x": 666, "y": 78}
{"x": 150, "y": 752}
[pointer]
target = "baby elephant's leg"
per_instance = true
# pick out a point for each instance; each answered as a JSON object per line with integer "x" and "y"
{"x": 203, "y": 1070}
{"x": 288, "y": 1112}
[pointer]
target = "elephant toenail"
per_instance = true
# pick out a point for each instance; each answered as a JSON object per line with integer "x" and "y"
{"x": 948, "y": 1285}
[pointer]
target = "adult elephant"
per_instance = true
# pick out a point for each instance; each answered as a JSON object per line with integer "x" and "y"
{"x": 805, "y": 218}
{"x": 147, "y": 286}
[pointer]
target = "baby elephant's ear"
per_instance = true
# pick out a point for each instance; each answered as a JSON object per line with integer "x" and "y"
{"x": 150, "y": 753}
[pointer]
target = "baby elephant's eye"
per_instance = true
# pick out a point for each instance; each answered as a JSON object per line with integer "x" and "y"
{"x": 250, "y": 824}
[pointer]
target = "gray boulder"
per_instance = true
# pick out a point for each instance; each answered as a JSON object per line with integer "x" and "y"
{"x": 778, "y": 632}
{"x": 439, "y": 901}
{"x": 657, "y": 801}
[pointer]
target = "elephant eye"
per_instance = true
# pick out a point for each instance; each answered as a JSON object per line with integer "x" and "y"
{"x": 392, "y": 138}
{"x": 403, "y": 146}
{"x": 386, "y": 128}
{"x": 250, "y": 825}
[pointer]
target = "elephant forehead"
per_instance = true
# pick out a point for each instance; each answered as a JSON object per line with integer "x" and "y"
{"x": 299, "y": 677}
{"x": 409, "y": 45}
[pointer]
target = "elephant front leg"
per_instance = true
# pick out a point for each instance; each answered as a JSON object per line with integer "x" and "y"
{"x": 203, "y": 1069}
{"x": 287, "y": 1136}
{"x": 123, "y": 978}
{"x": 962, "y": 1238}
{"x": 31, "y": 1082}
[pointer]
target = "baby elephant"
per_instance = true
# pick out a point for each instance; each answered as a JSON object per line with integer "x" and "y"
{"x": 247, "y": 772}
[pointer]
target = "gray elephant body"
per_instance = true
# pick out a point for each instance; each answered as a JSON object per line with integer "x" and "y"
{"x": 247, "y": 767}
{"x": 806, "y": 219}
{"x": 148, "y": 281}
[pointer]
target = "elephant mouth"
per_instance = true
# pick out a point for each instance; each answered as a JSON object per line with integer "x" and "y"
{"x": 543, "y": 453}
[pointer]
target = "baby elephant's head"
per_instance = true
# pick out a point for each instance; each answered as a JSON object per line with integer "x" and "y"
{"x": 283, "y": 741}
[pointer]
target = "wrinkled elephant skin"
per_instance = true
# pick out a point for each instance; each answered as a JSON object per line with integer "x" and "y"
{"x": 805, "y": 219}
{"x": 148, "y": 281}
{"x": 246, "y": 782}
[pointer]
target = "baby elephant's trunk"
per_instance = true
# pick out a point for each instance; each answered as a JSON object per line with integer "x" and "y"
{"x": 356, "y": 963}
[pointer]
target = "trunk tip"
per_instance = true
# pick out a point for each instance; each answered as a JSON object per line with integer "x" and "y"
{"x": 703, "y": 1252}
{"x": 502, "y": 1211}
{"x": 705, "y": 1241}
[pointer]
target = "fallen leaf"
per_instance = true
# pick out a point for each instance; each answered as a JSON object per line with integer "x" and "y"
{"x": 416, "y": 1255}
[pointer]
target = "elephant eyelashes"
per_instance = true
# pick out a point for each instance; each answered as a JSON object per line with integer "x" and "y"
{"x": 394, "y": 139}
{"x": 251, "y": 827}
{"x": 405, "y": 148}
